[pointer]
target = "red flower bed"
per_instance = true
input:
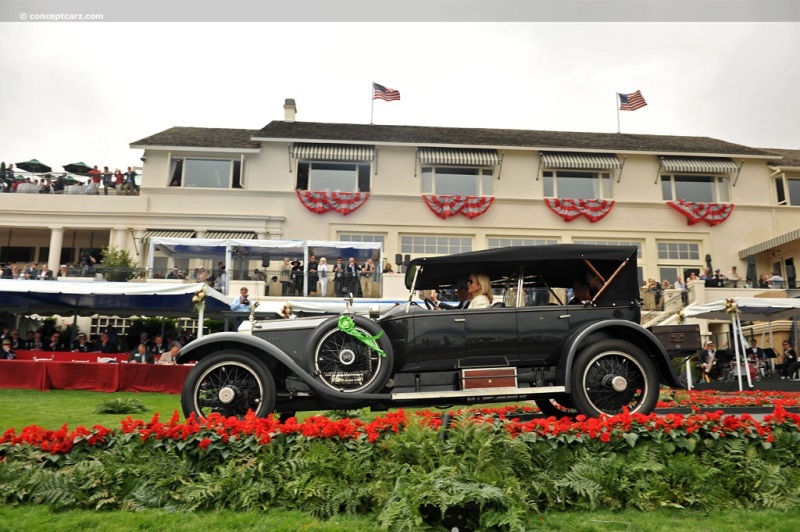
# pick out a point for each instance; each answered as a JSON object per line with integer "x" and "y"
{"x": 217, "y": 430}
{"x": 712, "y": 398}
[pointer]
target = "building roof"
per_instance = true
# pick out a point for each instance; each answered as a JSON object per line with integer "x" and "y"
{"x": 196, "y": 137}
{"x": 202, "y": 137}
{"x": 423, "y": 135}
{"x": 790, "y": 157}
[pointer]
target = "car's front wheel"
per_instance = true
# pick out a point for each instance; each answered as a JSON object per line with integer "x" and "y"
{"x": 343, "y": 362}
{"x": 230, "y": 384}
{"x": 611, "y": 374}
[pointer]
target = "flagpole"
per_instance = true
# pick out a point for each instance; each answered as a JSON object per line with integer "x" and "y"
{"x": 372, "y": 106}
{"x": 616, "y": 104}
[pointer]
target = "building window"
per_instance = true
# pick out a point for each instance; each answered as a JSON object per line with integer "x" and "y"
{"x": 699, "y": 188}
{"x": 505, "y": 242}
{"x": 788, "y": 191}
{"x": 613, "y": 243}
{"x": 457, "y": 181}
{"x": 333, "y": 177}
{"x": 205, "y": 173}
{"x": 577, "y": 185}
{"x": 679, "y": 251}
{"x": 355, "y": 237}
{"x": 434, "y": 245}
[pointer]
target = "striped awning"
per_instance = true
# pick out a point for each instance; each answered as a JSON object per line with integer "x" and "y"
{"x": 459, "y": 156}
{"x": 582, "y": 161}
{"x": 702, "y": 165}
{"x": 785, "y": 238}
{"x": 333, "y": 152}
{"x": 233, "y": 235}
{"x": 166, "y": 233}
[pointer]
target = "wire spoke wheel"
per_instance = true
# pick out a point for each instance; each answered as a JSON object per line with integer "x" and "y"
{"x": 611, "y": 375}
{"x": 345, "y": 363}
{"x": 229, "y": 385}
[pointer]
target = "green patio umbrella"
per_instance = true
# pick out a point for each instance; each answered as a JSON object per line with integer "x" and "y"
{"x": 77, "y": 168}
{"x": 33, "y": 166}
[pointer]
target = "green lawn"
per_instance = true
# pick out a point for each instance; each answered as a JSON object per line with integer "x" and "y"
{"x": 53, "y": 408}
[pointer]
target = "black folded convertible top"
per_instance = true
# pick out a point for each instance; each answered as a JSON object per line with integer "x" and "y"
{"x": 557, "y": 264}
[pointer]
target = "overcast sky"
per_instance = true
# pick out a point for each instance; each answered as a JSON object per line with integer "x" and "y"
{"x": 83, "y": 92}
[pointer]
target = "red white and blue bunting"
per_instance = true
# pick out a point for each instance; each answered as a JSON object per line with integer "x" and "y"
{"x": 320, "y": 202}
{"x": 697, "y": 211}
{"x": 445, "y": 206}
{"x": 569, "y": 208}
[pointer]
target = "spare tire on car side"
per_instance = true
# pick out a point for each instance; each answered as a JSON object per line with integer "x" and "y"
{"x": 345, "y": 363}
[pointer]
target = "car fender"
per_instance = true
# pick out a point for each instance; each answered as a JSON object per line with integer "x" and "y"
{"x": 621, "y": 330}
{"x": 264, "y": 350}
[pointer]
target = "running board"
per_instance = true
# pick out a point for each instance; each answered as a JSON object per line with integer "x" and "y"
{"x": 478, "y": 392}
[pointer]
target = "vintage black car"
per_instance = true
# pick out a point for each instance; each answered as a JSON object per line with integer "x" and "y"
{"x": 590, "y": 357}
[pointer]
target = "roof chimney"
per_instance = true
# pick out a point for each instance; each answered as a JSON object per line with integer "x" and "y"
{"x": 289, "y": 110}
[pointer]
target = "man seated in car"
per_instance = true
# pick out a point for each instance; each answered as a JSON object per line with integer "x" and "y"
{"x": 479, "y": 288}
{"x": 580, "y": 292}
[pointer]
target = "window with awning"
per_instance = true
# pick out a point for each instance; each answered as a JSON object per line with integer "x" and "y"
{"x": 459, "y": 157}
{"x": 333, "y": 152}
{"x": 699, "y": 165}
{"x": 233, "y": 235}
{"x": 580, "y": 161}
{"x": 165, "y": 233}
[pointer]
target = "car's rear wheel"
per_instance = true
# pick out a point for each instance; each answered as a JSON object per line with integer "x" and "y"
{"x": 611, "y": 374}
{"x": 558, "y": 406}
{"x": 230, "y": 384}
{"x": 343, "y": 362}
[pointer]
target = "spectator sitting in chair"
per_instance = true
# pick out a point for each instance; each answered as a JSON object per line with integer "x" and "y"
{"x": 36, "y": 343}
{"x": 159, "y": 347}
{"x": 105, "y": 345}
{"x": 141, "y": 355}
{"x": 55, "y": 342}
{"x": 7, "y": 353}
{"x": 168, "y": 357}
{"x": 82, "y": 344}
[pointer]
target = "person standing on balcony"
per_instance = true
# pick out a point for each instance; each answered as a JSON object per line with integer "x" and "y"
{"x": 286, "y": 277}
{"x": 322, "y": 270}
{"x": 129, "y": 188}
{"x": 367, "y": 276}
{"x": 108, "y": 181}
{"x": 313, "y": 275}
{"x": 119, "y": 179}
{"x": 734, "y": 277}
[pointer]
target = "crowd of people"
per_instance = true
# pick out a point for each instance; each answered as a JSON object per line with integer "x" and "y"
{"x": 155, "y": 350}
{"x": 719, "y": 364}
{"x": 361, "y": 280}
{"x": 121, "y": 183}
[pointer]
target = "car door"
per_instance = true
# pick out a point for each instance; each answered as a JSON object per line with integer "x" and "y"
{"x": 437, "y": 342}
{"x": 491, "y": 336}
{"x": 541, "y": 329}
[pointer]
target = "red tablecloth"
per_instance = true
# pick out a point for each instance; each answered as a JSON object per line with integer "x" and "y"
{"x": 68, "y": 356}
{"x": 51, "y": 374}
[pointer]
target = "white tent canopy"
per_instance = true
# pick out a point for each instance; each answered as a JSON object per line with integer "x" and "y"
{"x": 750, "y": 309}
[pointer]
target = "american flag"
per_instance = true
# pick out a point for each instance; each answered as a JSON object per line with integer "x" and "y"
{"x": 631, "y": 102}
{"x": 384, "y": 93}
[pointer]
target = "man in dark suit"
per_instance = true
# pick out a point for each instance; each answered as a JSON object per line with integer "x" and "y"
{"x": 351, "y": 271}
{"x": 708, "y": 358}
{"x": 754, "y": 353}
